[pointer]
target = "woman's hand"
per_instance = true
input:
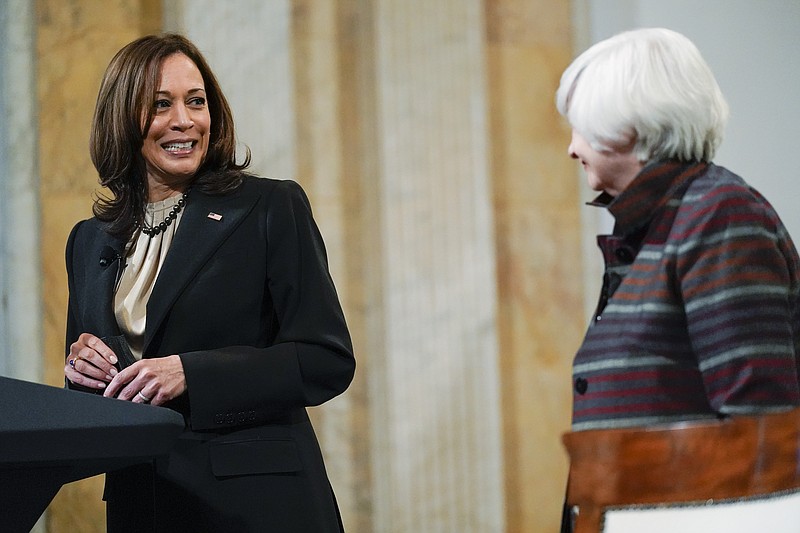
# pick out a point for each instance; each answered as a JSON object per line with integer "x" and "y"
{"x": 90, "y": 362}
{"x": 154, "y": 381}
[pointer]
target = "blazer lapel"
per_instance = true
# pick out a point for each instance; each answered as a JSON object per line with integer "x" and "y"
{"x": 207, "y": 220}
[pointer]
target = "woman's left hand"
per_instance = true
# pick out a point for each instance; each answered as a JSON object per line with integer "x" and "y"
{"x": 154, "y": 381}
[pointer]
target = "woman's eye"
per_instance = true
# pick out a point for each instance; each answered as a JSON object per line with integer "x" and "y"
{"x": 198, "y": 101}
{"x": 161, "y": 104}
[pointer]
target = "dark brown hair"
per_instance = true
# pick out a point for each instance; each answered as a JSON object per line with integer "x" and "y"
{"x": 127, "y": 94}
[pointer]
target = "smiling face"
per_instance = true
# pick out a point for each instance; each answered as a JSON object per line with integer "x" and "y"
{"x": 608, "y": 170}
{"x": 177, "y": 141}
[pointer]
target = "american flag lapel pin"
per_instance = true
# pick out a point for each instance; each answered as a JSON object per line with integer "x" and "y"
{"x": 215, "y": 216}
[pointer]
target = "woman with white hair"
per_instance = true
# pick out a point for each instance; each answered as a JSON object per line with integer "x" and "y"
{"x": 699, "y": 314}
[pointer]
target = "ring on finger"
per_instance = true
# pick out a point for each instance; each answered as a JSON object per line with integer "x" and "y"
{"x": 73, "y": 361}
{"x": 143, "y": 397}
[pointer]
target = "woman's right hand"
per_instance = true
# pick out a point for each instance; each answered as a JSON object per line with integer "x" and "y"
{"x": 90, "y": 362}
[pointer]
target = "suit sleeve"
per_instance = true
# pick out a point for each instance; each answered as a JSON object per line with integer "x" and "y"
{"x": 73, "y": 329}
{"x": 311, "y": 360}
{"x": 739, "y": 283}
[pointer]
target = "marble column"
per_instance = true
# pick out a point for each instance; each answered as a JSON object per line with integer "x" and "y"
{"x": 20, "y": 275}
{"x": 539, "y": 251}
{"x": 434, "y": 391}
{"x": 329, "y": 107}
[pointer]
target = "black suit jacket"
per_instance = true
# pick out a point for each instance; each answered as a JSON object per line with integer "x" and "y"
{"x": 247, "y": 302}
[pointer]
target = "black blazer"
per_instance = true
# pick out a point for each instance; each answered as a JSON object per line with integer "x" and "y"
{"x": 247, "y": 302}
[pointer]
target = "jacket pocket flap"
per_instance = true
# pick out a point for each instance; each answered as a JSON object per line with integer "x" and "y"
{"x": 256, "y": 456}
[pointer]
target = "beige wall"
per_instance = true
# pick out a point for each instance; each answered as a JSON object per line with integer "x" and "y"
{"x": 75, "y": 41}
{"x": 510, "y": 156}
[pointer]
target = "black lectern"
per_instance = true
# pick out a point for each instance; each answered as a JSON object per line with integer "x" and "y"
{"x": 50, "y": 436}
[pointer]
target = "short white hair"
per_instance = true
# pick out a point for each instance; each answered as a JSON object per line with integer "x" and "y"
{"x": 648, "y": 86}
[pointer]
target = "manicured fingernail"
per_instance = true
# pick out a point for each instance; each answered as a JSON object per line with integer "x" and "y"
{"x": 101, "y": 385}
{"x": 113, "y": 372}
{"x": 113, "y": 360}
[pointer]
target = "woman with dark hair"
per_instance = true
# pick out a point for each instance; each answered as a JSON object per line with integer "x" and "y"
{"x": 203, "y": 289}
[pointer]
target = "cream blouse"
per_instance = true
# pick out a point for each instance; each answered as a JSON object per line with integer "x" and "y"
{"x": 143, "y": 259}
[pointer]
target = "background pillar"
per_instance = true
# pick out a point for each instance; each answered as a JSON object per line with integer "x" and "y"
{"x": 539, "y": 254}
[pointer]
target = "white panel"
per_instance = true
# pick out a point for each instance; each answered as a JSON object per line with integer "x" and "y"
{"x": 778, "y": 514}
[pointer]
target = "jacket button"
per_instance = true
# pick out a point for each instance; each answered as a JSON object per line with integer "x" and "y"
{"x": 624, "y": 254}
{"x": 581, "y": 385}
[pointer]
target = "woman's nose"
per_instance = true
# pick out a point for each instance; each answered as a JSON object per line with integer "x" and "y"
{"x": 181, "y": 118}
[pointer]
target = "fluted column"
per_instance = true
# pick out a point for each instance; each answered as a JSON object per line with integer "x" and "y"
{"x": 20, "y": 272}
{"x": 435, "y": 398}
{"x": 328, "y": 113}
{"x": 539, "y": 251}
{"x": 20, "y": 275}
